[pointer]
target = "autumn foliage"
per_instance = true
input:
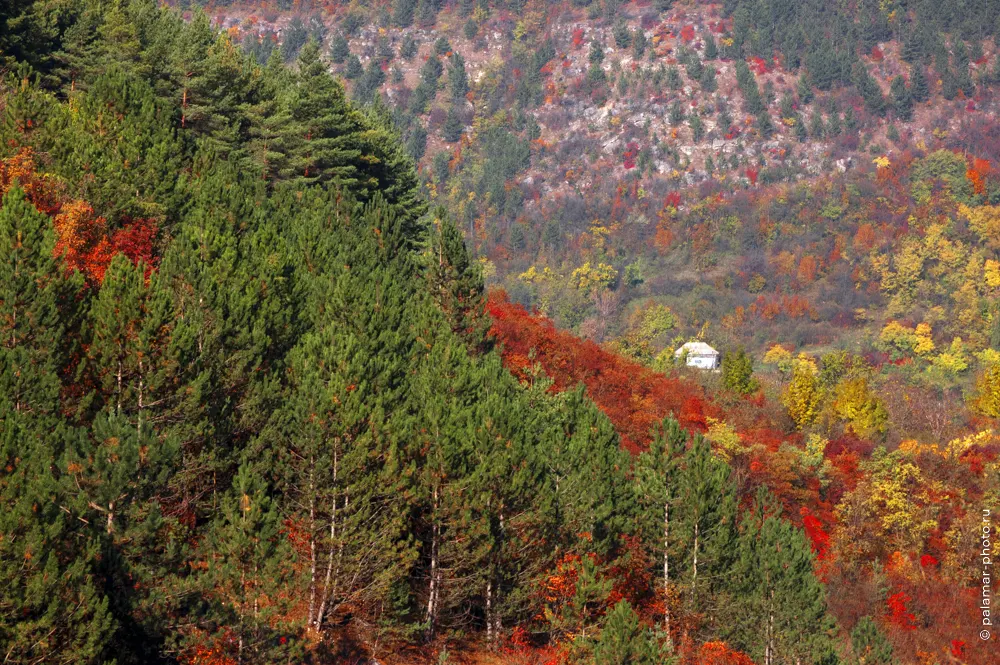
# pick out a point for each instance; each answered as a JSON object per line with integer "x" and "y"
{"x": 84, "y": 239}
{"x": 633, "y": 396}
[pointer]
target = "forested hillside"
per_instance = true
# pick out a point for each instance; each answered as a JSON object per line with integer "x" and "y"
{"x": 258, "y": 406}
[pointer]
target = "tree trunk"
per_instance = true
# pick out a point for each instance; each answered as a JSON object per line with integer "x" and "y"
{"x": 666, "y": 576}
{"x": 434, "y": 591}
{"x": 312, "y": 547}
{"x": 333, "y": 539}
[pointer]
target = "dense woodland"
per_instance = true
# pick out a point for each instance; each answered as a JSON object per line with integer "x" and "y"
{"x": 258, "y": 404}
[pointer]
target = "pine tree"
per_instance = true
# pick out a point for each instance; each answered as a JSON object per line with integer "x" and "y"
{"x": 53, "y": 607}
{"x": 776, "y": 593}
{"x": 327, "y": 147}
{"x": 353, "y": 70}
{"x": 249, "y": 572}
{"x": 919, "y": 89}
{"x": 657, "y": 488}
{"x": 623, "y": 641}
{"x": 737, "y": 372}
{"x": 817, "y": 128}
{"x": 901, "y": 99}
{"x": 706, "y": 519}
{"x": 402, "y": 12}
{"x": 339, "y": 49}
{"x": 37, "y": 306}
{"x": 870, "y": 645}
{"x": 293, "y": 38}
{"x": 711, "y": 50}
{"x": 458, "y": 80}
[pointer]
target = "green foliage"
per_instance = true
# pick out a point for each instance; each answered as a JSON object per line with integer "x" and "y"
{"x": 737, "y": 372}
{"x": 870, "y": 645}
{"x": 623, "y": 641}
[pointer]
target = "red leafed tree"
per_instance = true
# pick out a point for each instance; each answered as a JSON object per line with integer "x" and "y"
{"x": 633, "y": 396}
{"x": 898, "y": 613}
{"x": 758, "y": 65}
{"x": 44, "y": 192}
{"x": 577, "y": 37}
{"x": 81, "y": 239}
{"x": 631, "y": 152}
{"x": 977, "y": 173}
{"x": 752, "y": 173}
{"x": 818, "y": 537}
{"x": 687, "y": 33}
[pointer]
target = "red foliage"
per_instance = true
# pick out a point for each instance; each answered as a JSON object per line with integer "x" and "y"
{"x": 752, "y": 173}
{"x": 818, "y": 537}
{"x": 81, "y": 235}
{"x": 631, "y": 152}
{"x": 977, "y": 172}
{"x": 957, "y": 648}
{"x": 758, "y": 65}
{"x": 673, "y": 200}
{"x": 687, "y": 33}
{"x": 577, "y": 37}
{"x": 877, "y": 54}
{"x": 633, "y": 396}
{"x": 898, "y": 614}
{"x": 928, "y": 561}
{"x": 297, "y": 535}
{"x": 43, "y": 192}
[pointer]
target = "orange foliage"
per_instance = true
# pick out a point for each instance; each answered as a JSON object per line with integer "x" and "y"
{"x": 82, "y": 236}
{"x": 717, "y": 653}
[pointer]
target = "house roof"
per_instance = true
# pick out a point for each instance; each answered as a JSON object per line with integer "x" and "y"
{"x": 696, "y": 349}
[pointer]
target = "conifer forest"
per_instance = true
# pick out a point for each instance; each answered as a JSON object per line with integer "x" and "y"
{"x": 499, "y": 332}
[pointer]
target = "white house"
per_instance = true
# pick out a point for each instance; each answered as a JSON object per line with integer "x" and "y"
{"x": 698, "y": 355}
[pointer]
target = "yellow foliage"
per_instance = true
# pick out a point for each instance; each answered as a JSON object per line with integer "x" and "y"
{"x": 954, "y": 360}
{"x": 991, "y": 272}
{"x": 780, "y": 356}
{"x": 958, "y": 446}
{"x": 984, "y": 221}
{"x": 855, "y": 404}
{"x": 726, "y": 439}
{"x": 534, "y": 276}
{"x": 882, "y": 162}
{"x": 901, "y": 339}
{"x": 987, "y": 397}
{"x": 588, "y": 277}
{"x": 802, "y": 396}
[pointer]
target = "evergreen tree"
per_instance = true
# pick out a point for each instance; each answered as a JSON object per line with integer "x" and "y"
{"x": 453, "y": 127}
{"x": 737, "y": 372}
{"x": 776, "y": 591}
{"x": 37, "y": 305}
{"x": 458, "y": 80}
{"x": 402, "y": 12}
{"x": 711, "y": 50}
{"x": 919, "y": 89}
{"x": 901, "y": 100}
{"x": 353, "y": 70}
{"x": 624, "y": 641}
{"x": 293, "y": 38}
{"x": 248, "y": 575}
{"x": 339, "y": 49}
{"x": 328, "y": 147}
{"x": 817, "y": 128}
{"x": 657, "y": 488}
{"x": 706, "y": 520}
{"x": 870, "y": 645}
